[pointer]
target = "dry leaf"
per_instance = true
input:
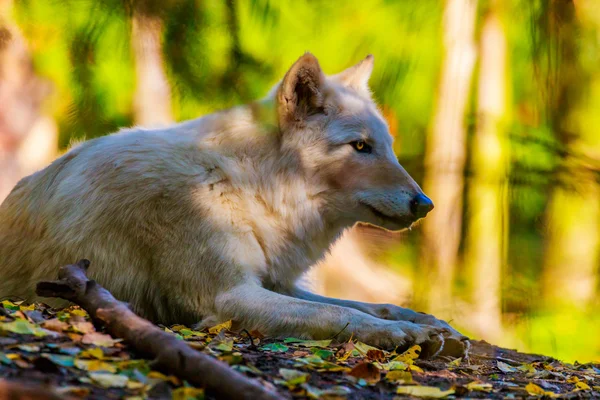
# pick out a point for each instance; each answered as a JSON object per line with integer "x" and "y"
{"x": 99, "y": 339}
{"x": 367, "y": 371}
{"x": 424, "y": 391}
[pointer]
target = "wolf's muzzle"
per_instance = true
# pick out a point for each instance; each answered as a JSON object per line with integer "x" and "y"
{"x": 420, "y": 205}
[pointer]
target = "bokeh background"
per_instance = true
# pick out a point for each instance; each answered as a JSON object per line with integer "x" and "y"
{"x": 495, "y": 106}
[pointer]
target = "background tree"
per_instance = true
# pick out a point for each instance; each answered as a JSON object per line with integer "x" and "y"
{"x": 487, "y": 190}
{"x": 27, "y": 134}
{"x": 446, "y": 155}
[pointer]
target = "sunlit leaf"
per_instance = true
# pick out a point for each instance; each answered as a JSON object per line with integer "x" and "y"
{"x": 455, "y": 363}
{"x": 479, "y": 386}
{"x": 95, "y": 365}
{"x": 23, "y": 327}
{"x": 363, "y": 348}
{"x": 79, "y": 312}
{"x": 424, "y": 391}
{"x": 535, "y": 390}
{"x": 29, "y": 348}
{"x": 218, "y": 328}
{"x": 157, "y": 375}
{"x": 582, "y": 386}
{"x": 9, "y": 305}
{"x": 395, "y": 366}
{"x": 403, "y": 377}
{"x": 94, "y": 352}
{"x": 409, "y": 355}
{"x": 109, "y": 380}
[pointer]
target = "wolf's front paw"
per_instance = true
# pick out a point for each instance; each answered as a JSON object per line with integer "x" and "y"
{"x": 455, "y": 343}
{"x": 402, "y": 335}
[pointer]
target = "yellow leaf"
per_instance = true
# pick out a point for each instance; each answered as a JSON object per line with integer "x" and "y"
{"x": 414, "y": 368}
{"x": 582, "y": 386}
{"x": 157, "y": 375}
{"x": 79, "y": 312}
{"x": 95, "y": 365}
{"x": 535, "y": 390}
{"x": 573, "y": 379}
{"x": 455, "y": 363}
{"x": 187, "y": 393}
{"x": 134, "y": 385}
{"x": 95, "y": 352}
{"x": 399, "y": 377}
{"x": 409, "y": 355}
{"x": 177, "y": 328}
{"x": 218, "y": 328}
{"x": 363, "y": 348}
{"x": 30, "y": 307}
{"x": 479, "y": 386}
{"x": 424, "y": 391}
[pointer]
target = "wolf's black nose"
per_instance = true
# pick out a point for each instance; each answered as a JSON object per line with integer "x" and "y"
{"x": 420, "y": 205}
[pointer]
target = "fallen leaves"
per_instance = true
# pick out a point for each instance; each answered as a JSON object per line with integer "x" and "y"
{"x": 34, "y": 338}
{"x": 431, "y": 392}
{"x": 366, "y": 371}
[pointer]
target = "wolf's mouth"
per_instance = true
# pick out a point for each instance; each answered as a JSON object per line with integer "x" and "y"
{"x": 402, "y": 222}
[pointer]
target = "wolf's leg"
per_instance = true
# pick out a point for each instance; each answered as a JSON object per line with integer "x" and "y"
{"x": 456, "y": 344}
{"x": 254, "y": 307}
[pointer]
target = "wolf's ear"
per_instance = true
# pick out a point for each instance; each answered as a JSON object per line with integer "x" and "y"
{"x": 301, "y": 91}
{"x": 358, "y": 75}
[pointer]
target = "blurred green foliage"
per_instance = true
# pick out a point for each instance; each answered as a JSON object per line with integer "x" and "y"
{"x": 219, "y": 54}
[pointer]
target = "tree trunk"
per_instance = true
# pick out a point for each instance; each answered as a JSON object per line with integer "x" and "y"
{"x": 487, "y": 202}
{"x": 445, "y": 159}
{"x": 153, "y": 92}
{"x": 573, "y": 214}
{"x": 28, "y": 138}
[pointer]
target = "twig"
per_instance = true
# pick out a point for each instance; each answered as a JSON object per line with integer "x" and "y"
{"x": 17, "y": 391}
{"x": 169, "y": 353}
{"x": 343, "y": 329}
{"x": 252, "y": 345}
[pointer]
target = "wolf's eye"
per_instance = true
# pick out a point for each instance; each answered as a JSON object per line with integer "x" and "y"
{"x": 361, "y": 146}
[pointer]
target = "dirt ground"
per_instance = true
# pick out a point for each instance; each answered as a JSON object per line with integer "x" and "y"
{"x": 62, "y": 350}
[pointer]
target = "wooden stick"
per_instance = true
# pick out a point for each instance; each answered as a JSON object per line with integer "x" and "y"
{"x": 169, "y": 353}
{"x": 11, "y": 390}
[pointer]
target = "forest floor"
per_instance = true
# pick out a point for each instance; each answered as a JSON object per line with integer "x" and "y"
{"x": 62, "y": 350}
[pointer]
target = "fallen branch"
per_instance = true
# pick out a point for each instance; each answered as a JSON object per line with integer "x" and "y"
{"x": 18, "y": 391}
{"x": 170, "y": 354}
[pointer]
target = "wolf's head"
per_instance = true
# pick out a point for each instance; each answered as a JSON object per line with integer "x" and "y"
{"x": 345, "y": 147}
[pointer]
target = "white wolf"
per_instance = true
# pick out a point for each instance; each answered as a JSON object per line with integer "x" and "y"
{"x": 218, "y": 218}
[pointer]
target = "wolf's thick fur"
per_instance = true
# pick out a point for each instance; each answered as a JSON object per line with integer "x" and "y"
{"x": 217, "y": 218}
